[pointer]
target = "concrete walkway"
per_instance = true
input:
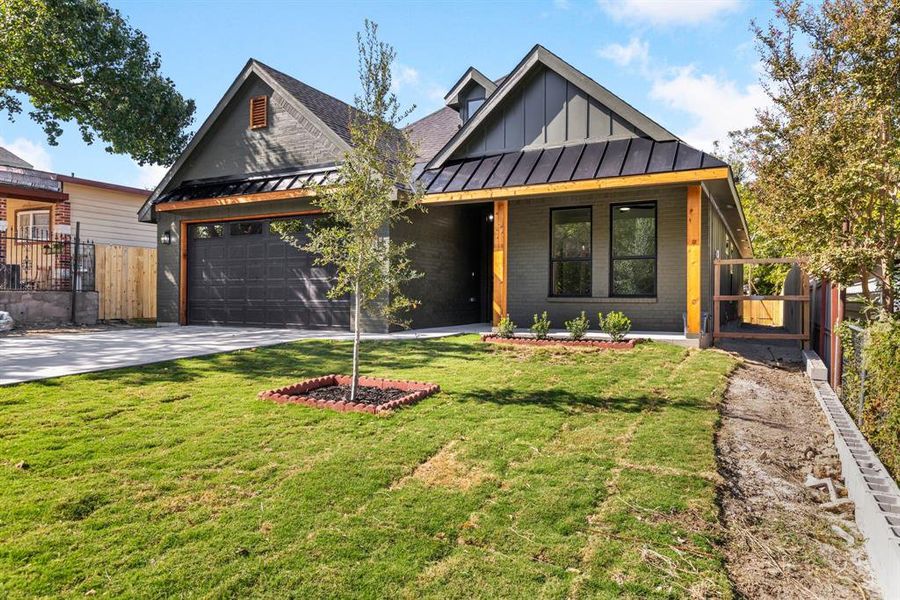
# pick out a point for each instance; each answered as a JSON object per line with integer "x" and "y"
{"x": 33, "y": 357}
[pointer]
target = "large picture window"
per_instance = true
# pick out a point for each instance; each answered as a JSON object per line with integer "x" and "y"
{"x": 570, "y": 252}
{"x": 633, "y": 250}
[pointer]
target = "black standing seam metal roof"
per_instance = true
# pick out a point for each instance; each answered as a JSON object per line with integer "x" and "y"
{"x": 254, "y": 184}
{"x": 593, "y": 160}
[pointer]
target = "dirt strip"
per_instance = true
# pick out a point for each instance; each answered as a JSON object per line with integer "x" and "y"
{"x": 781, "y": 541}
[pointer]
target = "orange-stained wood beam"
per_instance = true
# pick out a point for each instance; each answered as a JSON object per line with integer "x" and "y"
{"x": 586, "y": 185}
{"x": 694, "y": 222}
{"x": 231, "y": 200}
{"x": 501, "y": 238}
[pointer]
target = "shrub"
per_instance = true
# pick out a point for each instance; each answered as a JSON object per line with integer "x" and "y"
{"x": 616, "y": 325}
{"x": 506, "y": 328}
{"x": 541, "y": 327}
{"x": 880, "y": 419}
{"x": 578, "y": 326}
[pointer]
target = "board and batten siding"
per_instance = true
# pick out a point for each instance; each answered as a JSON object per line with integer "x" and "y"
{"x": 109, "y": 216}
{"x": 548, "y": 111}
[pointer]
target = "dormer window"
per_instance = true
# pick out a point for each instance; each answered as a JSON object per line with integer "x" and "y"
{"x": 259, "y": 112}
{"x": 473, "y": 105}
{"x": 469, "y": 93}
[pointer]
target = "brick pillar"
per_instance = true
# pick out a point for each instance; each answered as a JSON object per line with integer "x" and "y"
{"x": 62, "y": 218}
{"x": 4, "y": 226}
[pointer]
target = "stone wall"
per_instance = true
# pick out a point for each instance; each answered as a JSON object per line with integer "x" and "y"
{"x": 50, "y": 308}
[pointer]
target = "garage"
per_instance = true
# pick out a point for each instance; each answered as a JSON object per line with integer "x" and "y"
{"x": 241, "y": 273}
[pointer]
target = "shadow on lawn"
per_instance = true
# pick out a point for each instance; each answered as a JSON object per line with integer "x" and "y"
{"x": 308, "y": 358}
{"x": 572, "y": 402}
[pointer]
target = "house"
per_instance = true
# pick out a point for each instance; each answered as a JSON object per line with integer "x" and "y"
{"x": 544, "y": 191}
{"x": 38, "y": 215}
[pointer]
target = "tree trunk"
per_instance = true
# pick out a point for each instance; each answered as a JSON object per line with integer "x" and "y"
{"x": 887, "y": 286}
{"x": 354, "y": 377}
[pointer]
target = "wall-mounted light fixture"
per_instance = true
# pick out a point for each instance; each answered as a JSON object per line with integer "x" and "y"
{"x": 166, "y": 238}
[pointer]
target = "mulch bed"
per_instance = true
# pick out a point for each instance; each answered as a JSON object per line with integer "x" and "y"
{"x": 375, "y": 394}
{"x": 598, "y": 344}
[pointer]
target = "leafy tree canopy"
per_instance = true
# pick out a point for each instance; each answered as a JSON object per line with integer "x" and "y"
{"x": 825, "y": 157}
{"x": 80, "y": 60}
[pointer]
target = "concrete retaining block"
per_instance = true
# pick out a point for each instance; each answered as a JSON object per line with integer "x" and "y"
{"x": 869, "y": 485}
{"x": 815, "y": 368}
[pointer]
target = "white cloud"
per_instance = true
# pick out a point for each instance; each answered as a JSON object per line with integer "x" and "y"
{"x": 562, "y": 4}
{"x": 148, "y": 176}
{"x": 403, "y": 76}
{"x": 716, "y": 105}
{"x": 32, "y": 152}
{"x": 668, "y": 12}
{"x": 636, "y": 52}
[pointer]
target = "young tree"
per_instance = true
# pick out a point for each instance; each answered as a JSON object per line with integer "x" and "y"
{"x": 81, "y": 60}
{"x": 826, "y": 155}
{"x": 372, "y": 193}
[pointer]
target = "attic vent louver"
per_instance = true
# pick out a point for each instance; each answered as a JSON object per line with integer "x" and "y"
{"x": 258, "y": 112}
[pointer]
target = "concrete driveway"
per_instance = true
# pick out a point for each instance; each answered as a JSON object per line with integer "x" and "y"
{"x": 32, "y": 357}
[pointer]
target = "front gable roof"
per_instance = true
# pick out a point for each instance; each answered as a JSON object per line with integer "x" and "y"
{"x": 326, "y": 113}
{"x": 541, "y": 56}
{"x": 8, "y": 159}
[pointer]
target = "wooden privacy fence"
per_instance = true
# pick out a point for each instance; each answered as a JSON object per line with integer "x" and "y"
{"x": 802, "y": 299}
{"x": 126, "y": 281}
{"x": 763, "y": 312}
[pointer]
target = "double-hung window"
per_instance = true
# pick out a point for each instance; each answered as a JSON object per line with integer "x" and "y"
{"x": 34, "y": 224}
{"x": 570, "y": 252}
{"x": 633, "y": 250}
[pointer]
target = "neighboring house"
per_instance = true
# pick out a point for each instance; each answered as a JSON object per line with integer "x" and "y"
{"x": 37, "y": 203}
{"x": 544, "y": 192}
{"x": 38, "y": 216}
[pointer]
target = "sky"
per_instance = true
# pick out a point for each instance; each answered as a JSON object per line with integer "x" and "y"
{"x": 691, "y": 65}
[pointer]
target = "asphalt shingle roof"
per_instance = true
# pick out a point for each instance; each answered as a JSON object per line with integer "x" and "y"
{"x": 430, "y": 133}
{"x": 8, "y": 159}
{"x": 331, "y": 111}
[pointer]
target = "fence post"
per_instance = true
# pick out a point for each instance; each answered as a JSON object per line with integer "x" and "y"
{"x": 74, "y": 279}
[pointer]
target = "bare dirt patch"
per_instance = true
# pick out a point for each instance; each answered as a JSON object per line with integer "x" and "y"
{"x": 446, "y": 469}
{"x": 780, "y": 541}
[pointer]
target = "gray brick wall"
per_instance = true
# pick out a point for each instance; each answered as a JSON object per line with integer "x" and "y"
{"x": 529, "y": 262}
{"x": 445, "y": 240}
{"x": 232, "y": 148}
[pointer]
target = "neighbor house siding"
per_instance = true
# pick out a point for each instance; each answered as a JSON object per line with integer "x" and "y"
{"x": 529, "y": 262}
{"x": 109, "y": 216}
{"x": 230, "y": 147}
{"x": 549, "y": 111}
{"x": 444, "y": 238}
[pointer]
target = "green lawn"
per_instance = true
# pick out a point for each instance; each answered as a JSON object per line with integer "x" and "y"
{"x": 534, "y": 473}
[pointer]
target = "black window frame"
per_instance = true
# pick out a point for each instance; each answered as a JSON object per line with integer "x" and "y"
{"x": 589, "y": 259}
{"x": 655, "y": 256}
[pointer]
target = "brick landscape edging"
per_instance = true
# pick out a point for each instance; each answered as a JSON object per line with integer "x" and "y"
{"x": 293, "y": 394}
{"x": 609, "y": 345}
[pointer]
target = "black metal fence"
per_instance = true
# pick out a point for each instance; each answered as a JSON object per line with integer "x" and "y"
{"x": 33, "y": 260}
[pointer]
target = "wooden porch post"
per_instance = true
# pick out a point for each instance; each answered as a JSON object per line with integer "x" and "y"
{"x": 501, "y": 217}
{"x": 694, "y": 215}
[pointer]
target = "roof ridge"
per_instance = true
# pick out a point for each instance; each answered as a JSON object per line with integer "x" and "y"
{"x": 275, "y": 71}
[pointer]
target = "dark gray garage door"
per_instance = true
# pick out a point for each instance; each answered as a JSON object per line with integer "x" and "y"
{"x": 241, "y": 273}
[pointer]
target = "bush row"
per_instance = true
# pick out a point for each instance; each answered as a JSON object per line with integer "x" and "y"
{"x": 615, "y": 324}
{"x": 879, "y": 348}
